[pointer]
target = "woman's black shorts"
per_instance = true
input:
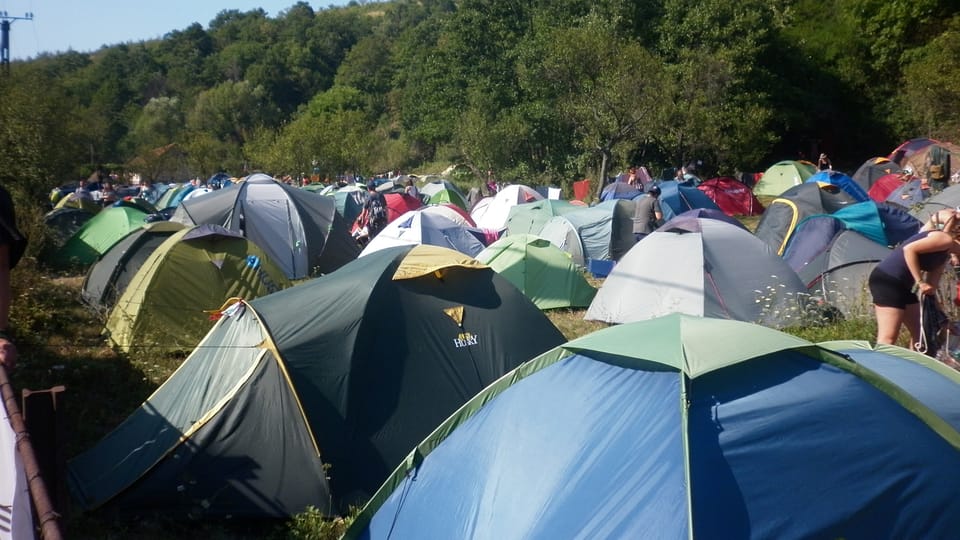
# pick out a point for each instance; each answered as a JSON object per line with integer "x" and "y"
{"x": 889, "y": 291}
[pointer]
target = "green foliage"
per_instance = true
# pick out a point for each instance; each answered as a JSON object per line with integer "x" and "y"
{"x": 551, "y": 89}
{"x": 312, "y": 525}
{"x": 931, "y": 88}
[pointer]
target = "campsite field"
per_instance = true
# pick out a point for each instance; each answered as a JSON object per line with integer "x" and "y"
{"x": 61, "y": 344}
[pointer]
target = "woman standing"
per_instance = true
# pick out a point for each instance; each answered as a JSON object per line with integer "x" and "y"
{"x": 912, "y": 269}
{"x": 824, "y": 163}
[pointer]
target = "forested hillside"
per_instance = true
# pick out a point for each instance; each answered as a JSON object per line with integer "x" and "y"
{"x": 538, "y": 91}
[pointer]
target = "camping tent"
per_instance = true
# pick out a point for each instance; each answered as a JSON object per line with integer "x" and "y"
{"x": 919, "y": 162}
{"x": 96, "y": 236}
{"x": 619, "y": 190}
{"x": 885, "y": 185}
{"x": 174, "y": 195}
{"x": 898, "y": 224}
{"x": 680, "y": 427}
{"x": 873, "y": 170}
{"x": 351, "y": 369}
{"x": 65, "y": 222}
{"x": 783, "y": 175}
{"x": 602, "y": 232}
{"x": 908, "y": 148}
{"x": 416, "y": 227}
{"x": 452, "y": 212}
{"x": 529, "y": 218}
{"x": 835, "y": 263}
{"x": 703, "y": 267}
{"x": 399, "y": 204}
{"x": 70, "y": 200}
{"x": 676, "y": 198}
{"x": 300, "y": 230}
{"x": 442, "y": 191}
{"x": 168, "y": 302}
{"x": 930, "y": 381}
{"x": 908, "y": 194}
{"x": 709, "y": 213}
{"x": 492, "y": 212}
{"x": 842, "y": 181}
{"x": 948, "y": 198}
{"x": 785, "y": 212}
{"x": 349, "y": 202}
{"x": 111, "y": 274}
{"x": 540, "y": 270}
{"x": 732, "y": 196}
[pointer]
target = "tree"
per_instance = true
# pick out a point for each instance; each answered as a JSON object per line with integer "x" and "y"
{"x": 931, "y": 92}
{"x": 714, "y": 51}
{"x": 231, "y": 111}
{"x": 608, "y": 89}
{"x": 159, "y": 123}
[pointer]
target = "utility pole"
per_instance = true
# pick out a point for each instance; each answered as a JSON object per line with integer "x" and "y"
{"x": 5, "y": 21}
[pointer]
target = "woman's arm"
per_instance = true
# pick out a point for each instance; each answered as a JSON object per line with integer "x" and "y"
{"x": 934, "y": 242}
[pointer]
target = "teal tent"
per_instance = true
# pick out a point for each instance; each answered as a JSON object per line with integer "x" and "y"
{"x": 601, "y": 232}
{"x": 529, "y": 218}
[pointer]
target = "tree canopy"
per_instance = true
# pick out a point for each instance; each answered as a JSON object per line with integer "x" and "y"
{"x": 548, "y": 91}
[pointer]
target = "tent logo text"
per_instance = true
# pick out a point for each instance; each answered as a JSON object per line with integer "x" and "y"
{"x": 253, "y": 261}
{"x": 466, "y": 339}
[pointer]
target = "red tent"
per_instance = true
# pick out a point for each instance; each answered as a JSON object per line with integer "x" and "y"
{"x": 732, "y": 196}
{"x": 884, "y": 186}
{"x": 399, "y": 204}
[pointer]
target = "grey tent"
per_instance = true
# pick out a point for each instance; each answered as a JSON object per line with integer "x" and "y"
{"x": 948, "y": 198}
{"x": 109, "y": 276}
{"x": 602, "y": 232}
{"x": 838, "y": 271}
{"x": 301, "y": 231}
{"x": 782, "y": 215}
{"x": 703, "y": 267}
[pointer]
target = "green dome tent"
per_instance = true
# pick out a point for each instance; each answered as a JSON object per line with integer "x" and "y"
{"x": 783, "y": 175}
{"x": 97, "y": 235}
{"x": 168, "y": 302}
{"x": 542, "y": 271}
{"x": 351, "y": 368}
{"x": 442, "y": 191}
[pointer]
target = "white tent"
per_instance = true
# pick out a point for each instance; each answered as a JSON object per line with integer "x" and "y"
{"x": 492, "y": 212}
{"x": 417, "y": 227}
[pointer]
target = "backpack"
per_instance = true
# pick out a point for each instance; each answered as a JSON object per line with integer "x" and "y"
{"x": 378, "y": 211}
{"x": 939, "y": 168}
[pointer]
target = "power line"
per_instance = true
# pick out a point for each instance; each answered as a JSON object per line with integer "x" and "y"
{"x": 5, "y": 21}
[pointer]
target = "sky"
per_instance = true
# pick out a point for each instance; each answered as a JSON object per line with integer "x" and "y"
{"x": 61, "y": 25}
